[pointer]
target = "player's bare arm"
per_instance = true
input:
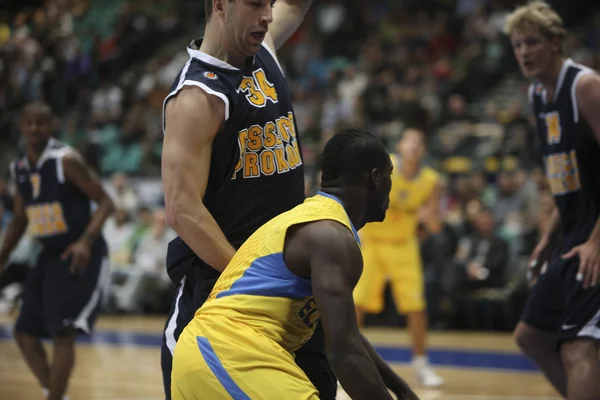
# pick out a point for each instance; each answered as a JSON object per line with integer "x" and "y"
{"x": 430, "y": 214}
{"x": 587, "y": 93}
{"x": 335, "y": 266}
{"x": 15, "y": 230}
{"x": 287, "y": 17}
{"x": 193, "y": 119}
{"x": 81, "y": 175}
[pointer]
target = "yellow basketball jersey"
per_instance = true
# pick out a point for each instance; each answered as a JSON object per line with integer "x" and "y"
{"x": 406, "y": 197}
{"x": 258, "y": 290}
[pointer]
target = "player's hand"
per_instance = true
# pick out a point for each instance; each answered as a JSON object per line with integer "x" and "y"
{"x": 537, "y": 259}
{"x": 589, "y": 262}
{"x": 79, "y": 252}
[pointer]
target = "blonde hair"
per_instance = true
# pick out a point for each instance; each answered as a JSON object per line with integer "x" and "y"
{"x": 536, "y": 14}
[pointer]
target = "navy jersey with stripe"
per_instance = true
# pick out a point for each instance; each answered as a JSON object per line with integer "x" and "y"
{"x": 58, "y": 212}
{"x": 256, "y": 169}
{"x": 571, "y": 155}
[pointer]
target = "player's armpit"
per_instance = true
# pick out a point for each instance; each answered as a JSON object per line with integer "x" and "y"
{"x": 193, "y": 119}
{"x": 336, "y": 264}
{"x": 287, "y": 17}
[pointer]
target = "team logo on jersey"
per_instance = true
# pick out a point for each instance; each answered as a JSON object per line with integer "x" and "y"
{"x": 259, "y": 91}
{"x": 553, "y": 127}
{"x": 36, "y": 183}
{"x": 267, "y": 149}
{"x": 210, "y": 75}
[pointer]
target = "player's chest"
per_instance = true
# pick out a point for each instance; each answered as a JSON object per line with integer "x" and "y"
{"x": 38, "y": 186}
{"x": 407, "y": 194}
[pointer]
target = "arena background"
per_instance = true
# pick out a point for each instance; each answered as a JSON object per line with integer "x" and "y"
{"x": 106, "y": 66}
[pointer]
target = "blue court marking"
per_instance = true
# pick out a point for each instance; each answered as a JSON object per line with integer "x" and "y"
{"x": 476, "y": 359}
{"x": 219, "y": 370}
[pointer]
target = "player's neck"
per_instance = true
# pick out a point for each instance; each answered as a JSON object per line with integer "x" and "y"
{"x": 34, "y": 155}
{"x": 550, "y": 79}
{"x": 214, "y": 44}
{"x": 354, "y": 210}
{"x": 409, "y": 170}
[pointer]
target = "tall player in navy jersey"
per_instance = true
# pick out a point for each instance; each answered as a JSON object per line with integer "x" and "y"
{"x": 231, "y": 157}
{"x": 560, "y": 326}
{"x": 55, "y": 188}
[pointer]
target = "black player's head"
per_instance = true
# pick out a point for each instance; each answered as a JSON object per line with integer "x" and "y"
{"x": 412, "y": 145}
{"x": 358, "y": 159}
{"x": 536, "y": 32}
{"x": 243, "y": 23}
{"x": 37, "y": 123}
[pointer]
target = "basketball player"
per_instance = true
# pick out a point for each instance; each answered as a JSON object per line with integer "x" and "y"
{"x": 231, "y": 157}
{"x": 55, "y": 188}
{"x": 563, "y": 308}
{"x": 300, "y": 266}
{"x": 391, "y": 248}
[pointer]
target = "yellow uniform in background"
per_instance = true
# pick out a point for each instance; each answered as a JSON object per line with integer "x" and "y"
{"x": 391, "y": 249}
{"x": 240, "y": 343}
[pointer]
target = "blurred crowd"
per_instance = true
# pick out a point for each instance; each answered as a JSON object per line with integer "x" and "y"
{"x": 444, "y": 66}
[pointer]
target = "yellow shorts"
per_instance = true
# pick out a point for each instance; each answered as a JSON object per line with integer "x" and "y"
{"x": 216, "y": 358}
{"x": 398, "y": 263}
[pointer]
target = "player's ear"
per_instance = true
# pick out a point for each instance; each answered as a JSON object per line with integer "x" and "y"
{"x": 218, "y": 6}
{"x": 374, "y": 178}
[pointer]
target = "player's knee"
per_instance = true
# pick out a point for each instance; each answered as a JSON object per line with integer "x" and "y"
{"x": 577, "y": 351}
{"x": 65, "y": 337}
{"x": 528, "y": 339}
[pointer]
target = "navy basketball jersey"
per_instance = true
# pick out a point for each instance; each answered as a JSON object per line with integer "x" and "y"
{"x": 571, "y": 155}
{"x": 57, "y": 211}
{"x": 256, "y": 169}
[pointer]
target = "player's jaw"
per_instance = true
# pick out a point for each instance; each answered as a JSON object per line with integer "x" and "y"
{"x": 534, "y": 54}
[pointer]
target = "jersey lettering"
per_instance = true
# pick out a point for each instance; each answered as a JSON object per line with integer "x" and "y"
{"x": 269, "y": 149}
{"x": 307, "y": 311}
{"x": 562, "y": 170}
{"x": 553, "y": 127}
{"x": 258, "y": 89}
{"x": 46, "y": 219}
{"x": 36, "y": 182}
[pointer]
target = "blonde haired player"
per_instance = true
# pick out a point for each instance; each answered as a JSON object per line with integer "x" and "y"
{"x": 560, "y": 326}
{"x": 391, "y": 248}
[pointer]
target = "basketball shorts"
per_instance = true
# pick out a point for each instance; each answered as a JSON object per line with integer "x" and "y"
{"x": 54, "y": 299}
{"x": 194, "y": 289}
{"x": 398, "y": 263}
{"x": 558, "y": 303}
{"x": 219, "y": 359}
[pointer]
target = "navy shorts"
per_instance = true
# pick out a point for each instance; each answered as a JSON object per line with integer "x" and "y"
{"x": 55, "y": 300}
{"x": 558, "y": 303}
{"x": 193, "y": 292}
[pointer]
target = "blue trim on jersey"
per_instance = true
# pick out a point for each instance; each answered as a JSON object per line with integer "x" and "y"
{"x": 217, "y": 368}
{"x": 269, "y": 276}
{"x": 332, "y": 197}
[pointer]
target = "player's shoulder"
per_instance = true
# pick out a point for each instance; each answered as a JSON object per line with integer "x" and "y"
{"x": 430, "y": 174}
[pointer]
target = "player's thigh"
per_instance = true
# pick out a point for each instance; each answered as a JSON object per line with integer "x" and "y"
{"x": 31, "y": 317}
{"x": 581, "y": 317}
{"x": 546, "y": 301}
{"x": 405, "y": 272}
{"x": 226, "y": 365}
{"x": 72, "y": 299}
{"x": 368, "y": 293}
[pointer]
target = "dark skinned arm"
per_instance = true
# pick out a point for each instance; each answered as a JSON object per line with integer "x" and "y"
{"x": 336, "y": 265}
{"x": 81, "y": 175}
{"x": 14, "y": 232}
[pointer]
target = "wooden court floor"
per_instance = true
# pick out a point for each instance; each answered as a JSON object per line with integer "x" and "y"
{"x": 122, "y": 361}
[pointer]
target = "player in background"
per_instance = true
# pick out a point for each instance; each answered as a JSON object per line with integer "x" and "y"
{"x": 560, "y": 326}
{"x": 391, "y": 248}
{"x": 231, "y": 157}
{"x": 299, "y": 267}
{"x": 55, "y": 188}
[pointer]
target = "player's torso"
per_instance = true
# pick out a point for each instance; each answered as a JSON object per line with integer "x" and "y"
{"x": 256, "y": 169}
{"x": 407, "y": 196}
{"x": 258, "y": 290}
{"x": 57, "y": 212}
{"x": 571, "y": 155}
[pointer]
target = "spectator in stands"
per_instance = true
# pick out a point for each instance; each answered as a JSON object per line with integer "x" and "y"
{"x": 123, "y": 194}
{"x": 107, "y": 103}
{"x": 118, "y": 231}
